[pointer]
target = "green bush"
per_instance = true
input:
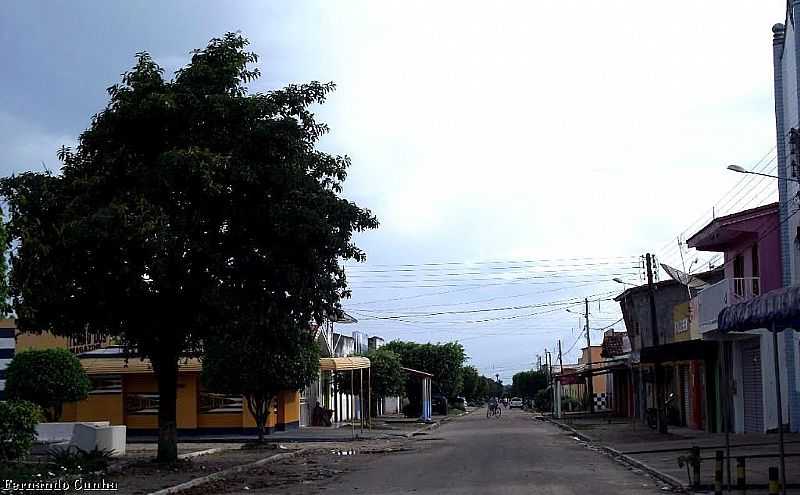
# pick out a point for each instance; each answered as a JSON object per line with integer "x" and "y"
{"x": 543, "y": 400}
{"x": 18, "y": 420}
{"x": 48, "y": 378}
{"x": 77, "y": 460}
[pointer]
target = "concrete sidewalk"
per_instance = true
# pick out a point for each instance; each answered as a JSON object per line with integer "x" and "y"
{"x": 383, "y": 428}
{"x": 659, "y": 452}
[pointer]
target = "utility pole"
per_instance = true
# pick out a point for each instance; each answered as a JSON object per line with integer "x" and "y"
{"x": 590, "y": 378}
{"x": 550, "y": 380}
{"x": 660, "y": 419}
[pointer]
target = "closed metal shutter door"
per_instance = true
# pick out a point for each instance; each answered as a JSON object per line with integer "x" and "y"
{"x": 751, "y": 387}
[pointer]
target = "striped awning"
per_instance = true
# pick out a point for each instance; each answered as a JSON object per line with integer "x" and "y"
{"x": 343, "y": 363}
{"x": 776, "y": 310}
{"x": 114, "y": 366}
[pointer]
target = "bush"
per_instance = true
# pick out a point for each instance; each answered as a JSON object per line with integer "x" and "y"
{"x": 48, "y": 378}
{"x": 543, "y": 401}
{"x": 18, "y": 420}
{"x": 76, "y": 460}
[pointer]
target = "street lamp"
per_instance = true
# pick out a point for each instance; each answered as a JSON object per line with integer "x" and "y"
{"x": 620, "y": 281}
{"x": 742, "y": 170}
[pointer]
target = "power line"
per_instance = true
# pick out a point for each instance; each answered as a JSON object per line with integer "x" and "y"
{"x": 568, "y": 302}
{"x": 444, "y": 263}
{"x": 521, "y": 265}
{"x": 490, "y": 299}
{"x": 522, "y": 281}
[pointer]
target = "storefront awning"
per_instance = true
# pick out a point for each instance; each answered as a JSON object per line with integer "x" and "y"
{"x": 343, "y": 363}
{"x": 776, "y": 310}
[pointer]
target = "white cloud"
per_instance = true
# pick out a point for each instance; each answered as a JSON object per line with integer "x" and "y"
{"x": 27, "y": 146}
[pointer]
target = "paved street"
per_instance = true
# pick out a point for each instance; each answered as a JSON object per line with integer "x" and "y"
{"x": 511, "y": 455}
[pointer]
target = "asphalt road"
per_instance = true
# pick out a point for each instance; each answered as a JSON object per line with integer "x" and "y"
{"x": 514, "y": 454}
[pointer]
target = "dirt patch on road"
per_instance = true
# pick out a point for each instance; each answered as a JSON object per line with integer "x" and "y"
{"x": 317, "y": 463}
{"x": 309, "y": 472}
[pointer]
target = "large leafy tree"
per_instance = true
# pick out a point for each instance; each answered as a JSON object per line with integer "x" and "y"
{"x": 528, "y": 383}
{"x": 443, "y": 361}
{"x": 386, "y": 376}
{"x": 48, "y": 378}
{"x": 471, "y": 378}
{"x": 260, "y": 362}
{"x": 186, "y": 202}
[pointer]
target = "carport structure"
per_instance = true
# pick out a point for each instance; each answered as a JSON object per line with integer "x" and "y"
{"x": 777, "y": 310}
{"x": 353, "y": 364}
{"x": 427, "y": 410}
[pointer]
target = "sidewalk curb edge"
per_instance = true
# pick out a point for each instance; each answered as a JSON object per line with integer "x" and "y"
{"x": 225, "y": 472}
{"x": 624, "y": 458}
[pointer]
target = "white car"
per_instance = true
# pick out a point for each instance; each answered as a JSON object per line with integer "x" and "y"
{"x": 515, "y": 402}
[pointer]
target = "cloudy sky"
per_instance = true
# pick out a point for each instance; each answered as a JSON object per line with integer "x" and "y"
{"x": 518, "y": 155}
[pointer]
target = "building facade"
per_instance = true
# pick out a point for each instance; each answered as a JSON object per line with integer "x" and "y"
{"x": 750, "y": 241}
{"x": 673, "y": 361}
{"x": 786, "y": 74}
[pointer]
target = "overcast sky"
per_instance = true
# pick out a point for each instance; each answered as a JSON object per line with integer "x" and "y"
{"x": 560, "y": 140}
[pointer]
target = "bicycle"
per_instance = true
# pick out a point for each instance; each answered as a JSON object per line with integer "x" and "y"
{"x": 494, "y": 411}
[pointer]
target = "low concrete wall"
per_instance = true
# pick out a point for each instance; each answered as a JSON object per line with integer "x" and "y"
{"x": 60, "y": 432}
{"x": 88, "y": 437}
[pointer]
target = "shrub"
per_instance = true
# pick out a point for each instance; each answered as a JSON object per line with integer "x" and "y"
{"x": 77, "y": 460}
{"x": 18, "y": 420}
{"x": 48, "y": 378}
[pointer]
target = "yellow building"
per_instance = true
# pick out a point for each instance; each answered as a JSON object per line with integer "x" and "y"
{"x": 125, "y": 392}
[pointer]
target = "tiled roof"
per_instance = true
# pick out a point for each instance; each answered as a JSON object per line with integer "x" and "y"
{"x": 613, "y": 345}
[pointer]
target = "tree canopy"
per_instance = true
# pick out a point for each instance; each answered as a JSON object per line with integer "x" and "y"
{"x": 471, "y": 379}
{"x": 443, "y": 361}
{"x": 259, "y": 363}
{"x": 47, "y": 378}
{"x": 528, "y": 383}
{"x": 186, "y": 202}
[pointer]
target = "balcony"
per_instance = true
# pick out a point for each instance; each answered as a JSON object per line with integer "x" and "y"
{"x": 713, "y": 299}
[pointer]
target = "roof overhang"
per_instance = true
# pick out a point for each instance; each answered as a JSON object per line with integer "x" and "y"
{"x": 776, "y": 310}
{"x": 122, "y": 366}
{"x": 722, "y": 232}
{"x": 343, "y": 363}
{"x": 412, "y": 371}
{"x": 679, "y": 351}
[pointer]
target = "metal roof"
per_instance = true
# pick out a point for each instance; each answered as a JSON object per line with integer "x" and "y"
{"x": 117, "y": 365}
{"x": 343, "y": 363}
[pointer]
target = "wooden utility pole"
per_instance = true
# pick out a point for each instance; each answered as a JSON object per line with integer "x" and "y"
{"x": 590, "y": 378}
{"x": 660, "y": 419}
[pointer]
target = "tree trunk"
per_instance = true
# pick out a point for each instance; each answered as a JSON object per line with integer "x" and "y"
{"x": 167, "y": 375}
{"x": 260, "y": 409}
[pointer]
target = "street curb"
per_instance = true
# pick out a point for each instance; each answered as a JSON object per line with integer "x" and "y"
{"x": 436, "y": 424}
{"x": 226, "y": 472}
{"x": 215, "y": 450}
{"x": 425, "y": 428}
{"x": 618, "y": 456}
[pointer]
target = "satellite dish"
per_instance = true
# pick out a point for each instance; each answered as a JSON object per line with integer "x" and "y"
{"x": 683, "y": 277}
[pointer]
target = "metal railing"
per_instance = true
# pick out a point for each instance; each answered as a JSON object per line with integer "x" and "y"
{"x": 745, "y": 288}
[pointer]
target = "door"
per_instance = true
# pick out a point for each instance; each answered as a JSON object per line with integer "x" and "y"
{"x": 751, "y": 386}
{"x": 683, "y": 371}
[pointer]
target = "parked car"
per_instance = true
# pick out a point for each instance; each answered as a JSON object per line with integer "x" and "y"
{"x": 439, "y": 404}
{"x": 515, "y": 402}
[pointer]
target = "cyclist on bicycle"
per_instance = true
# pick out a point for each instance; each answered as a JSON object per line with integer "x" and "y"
{"x": 493, "y": 403}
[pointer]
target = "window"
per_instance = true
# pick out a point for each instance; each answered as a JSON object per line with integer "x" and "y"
{"x": 738, "y": 275}
{"x": 755, "y": 281}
